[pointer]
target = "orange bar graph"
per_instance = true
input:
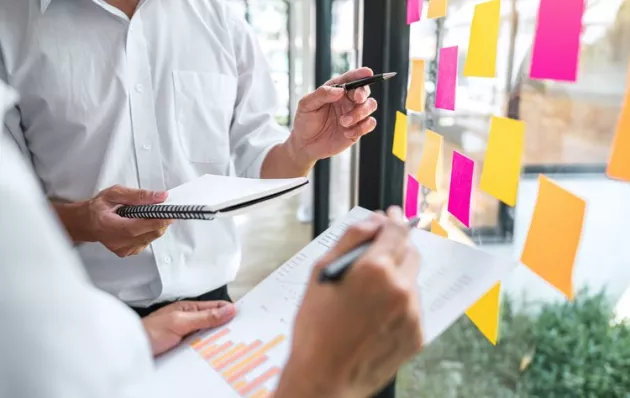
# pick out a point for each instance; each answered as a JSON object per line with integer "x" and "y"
{"x": 235, "y": 368}
{"x": 262, "y": 393}
{"x": 198, "y": 345}
{"x": 258, "y": 381}
{"x": 238, "y": 355}
{"x": 242, "y": 371}
{"x": 239, "y": 384}
{"x": 211, "y": 353}
{"x": 221, "y": 358}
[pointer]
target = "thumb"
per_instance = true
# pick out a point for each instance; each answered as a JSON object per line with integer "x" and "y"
{"x": 131, "y": 196}
{"x": 320, "y": 97}
{"x": 197, "y": 320}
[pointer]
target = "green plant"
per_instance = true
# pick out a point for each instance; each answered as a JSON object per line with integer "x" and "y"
{"x": 559, "y": 350}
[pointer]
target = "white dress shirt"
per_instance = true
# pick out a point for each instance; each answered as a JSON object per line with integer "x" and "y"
{"x": 180, "y": 90}
{"x": 60, "y": 336}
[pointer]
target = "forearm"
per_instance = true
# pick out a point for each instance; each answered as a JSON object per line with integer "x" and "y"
{"x": 75, "y": 219}
{"x": 282, "y": 161}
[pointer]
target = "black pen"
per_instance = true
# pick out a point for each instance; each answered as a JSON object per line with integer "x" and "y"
{"x": 366, "y": 81}
{"x": 338, "y": 268}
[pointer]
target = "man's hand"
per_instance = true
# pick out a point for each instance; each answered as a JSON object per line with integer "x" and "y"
{"x": 327, "y": 121}
{"x": 96, "y": 220}
{"x": 169, "y": 325}
{"x": 350, "y": 338}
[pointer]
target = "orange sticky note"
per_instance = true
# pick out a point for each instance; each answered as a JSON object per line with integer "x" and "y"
{"x": 437, "y": 229}
{"x": 430, "y": 163}
{"x": 619, "y": 163}
{"x": 415, "y": 95}
{"x": 437, "y": 8}
{"x": 400, "y": 137}
{"x": 554, "y": 235}
{"x": 485, "y": 314}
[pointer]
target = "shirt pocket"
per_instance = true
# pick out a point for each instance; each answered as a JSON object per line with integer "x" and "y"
{"x": 204, "y": 104}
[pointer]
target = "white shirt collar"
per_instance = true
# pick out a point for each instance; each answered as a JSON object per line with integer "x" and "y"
{"x": 44, "y": 5}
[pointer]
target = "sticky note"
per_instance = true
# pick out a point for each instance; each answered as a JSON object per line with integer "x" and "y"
{"x": 415, "y": 95}
{"x": 411, "y": 198}
{"x": 619, "y": 161}
{"x": 437, "y": 229}
{"x": 414, "y": 10}
{"x": 481, "y": 60}
{"x": 554, "y": 235}
{"x": 447, "y": 79}
{"x": 556, "y": 49}
{"x": 437, "y": 8}
{"x": 502, "y": 167}
{"x": 400, "y": 137}
{"x": 429, "y": 168}
{"x": 461, "y": 187}
{"x": 485, "y": 314}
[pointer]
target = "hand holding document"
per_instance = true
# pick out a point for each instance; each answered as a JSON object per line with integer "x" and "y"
{"x": 249, "y": 354}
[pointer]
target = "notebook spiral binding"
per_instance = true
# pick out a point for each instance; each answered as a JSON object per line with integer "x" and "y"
{"x": 166, "y": 212}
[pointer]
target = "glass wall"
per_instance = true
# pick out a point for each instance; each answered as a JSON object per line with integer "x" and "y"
{"x": 548, "y": 346}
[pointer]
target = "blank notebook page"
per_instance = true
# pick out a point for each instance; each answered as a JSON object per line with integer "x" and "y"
{"x": 219, "y": 192}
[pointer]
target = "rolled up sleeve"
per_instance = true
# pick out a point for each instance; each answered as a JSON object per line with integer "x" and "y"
{"x": 254, "y": 130}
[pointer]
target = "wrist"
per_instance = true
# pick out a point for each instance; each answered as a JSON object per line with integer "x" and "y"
{"x": 75, "y": 218}
{"x": 298, "y": 156}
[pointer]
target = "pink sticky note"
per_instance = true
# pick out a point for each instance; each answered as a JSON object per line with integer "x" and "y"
{"x": 461, "y": 187}
{"x": 447, "y": 79}
{"x": 556, "y": 52}
{"x": 411, "y": 199}
{"x": 414, "y": 10}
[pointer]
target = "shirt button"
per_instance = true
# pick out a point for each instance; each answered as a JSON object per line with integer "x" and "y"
{"x": 139, "y": 88}
{"x": 146, "y": 146}
{"x": 167, "y": 260}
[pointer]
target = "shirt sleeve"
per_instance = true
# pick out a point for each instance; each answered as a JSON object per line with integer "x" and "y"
{"x": 61, "y": 337}
{"x": 254, "y": 130}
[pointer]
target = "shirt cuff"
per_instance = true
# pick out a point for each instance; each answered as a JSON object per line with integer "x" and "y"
{"x": 255, "y": 168}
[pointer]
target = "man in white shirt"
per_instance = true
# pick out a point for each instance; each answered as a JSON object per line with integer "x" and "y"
{"x": 63, "y": 338}
{"x": 145, "y": 96}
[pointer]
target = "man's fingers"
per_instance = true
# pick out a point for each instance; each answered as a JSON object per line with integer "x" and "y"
{"x": 360, "y": 95}
{"x": 130, "y": 196}
{"x": 203, "y": 305}
{"x": 393, "y": 239}
{"x": 363, "y": 128}
{"x": 187, "y": 322}
{"x": 322, "y": 96}
{"x": 136, "y": 228}
{"x": 359, "y": 113}
{"x": 352, "y": 75}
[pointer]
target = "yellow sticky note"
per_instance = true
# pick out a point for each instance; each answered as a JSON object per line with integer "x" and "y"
{"x": 484, "y": 38}
{"x": 437, "y": 8}
{"x": 429, "y": 169}
{"x": 437, "y": 229}
{"x": 485, "y": 314}
{"x": 400, "y": 137}
{"x": 554, "y": 235}
{"x": 415, "y": 95}
{"x": 502, "y": 167}
{"x": 619, "y": 163}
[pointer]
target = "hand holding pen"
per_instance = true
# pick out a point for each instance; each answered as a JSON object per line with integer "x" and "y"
{"x": 342, "y": 264}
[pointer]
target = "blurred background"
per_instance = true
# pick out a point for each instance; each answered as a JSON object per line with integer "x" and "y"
{"x": 548, "y": 347}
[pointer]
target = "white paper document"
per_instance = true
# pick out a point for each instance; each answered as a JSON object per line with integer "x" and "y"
{"x": 245, "y": 357}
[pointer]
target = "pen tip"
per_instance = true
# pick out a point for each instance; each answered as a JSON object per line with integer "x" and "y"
{"x": 387, "y": 76}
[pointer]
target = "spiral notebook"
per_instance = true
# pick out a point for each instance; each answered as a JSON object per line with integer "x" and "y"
{"x": 211, "y": 196}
